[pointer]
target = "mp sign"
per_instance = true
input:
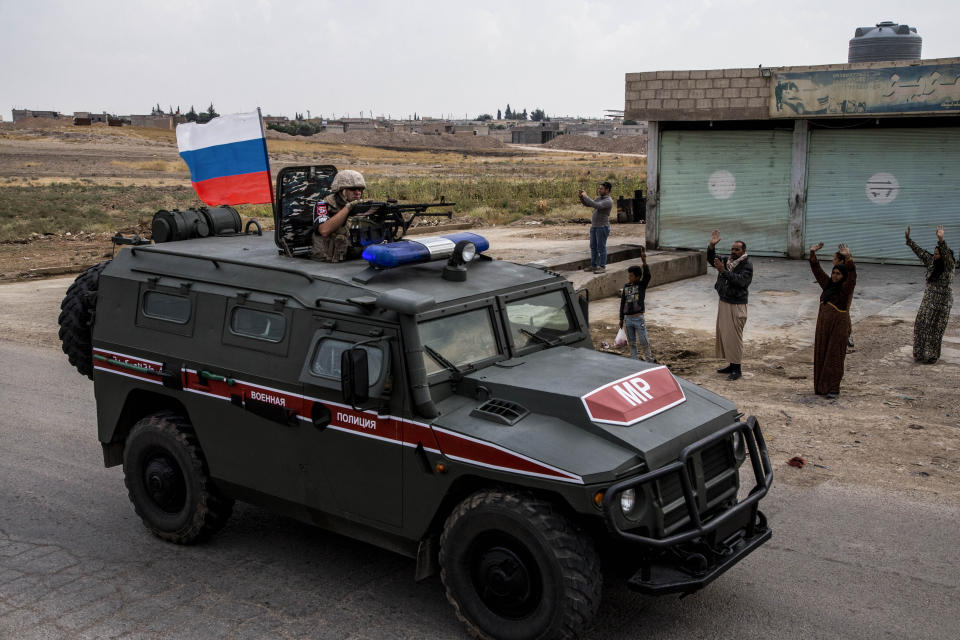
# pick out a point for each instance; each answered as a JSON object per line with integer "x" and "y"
{"x": 637, "y": 397}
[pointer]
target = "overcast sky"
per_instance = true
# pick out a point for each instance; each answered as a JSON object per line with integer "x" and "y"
{"x": 392, "y": 57}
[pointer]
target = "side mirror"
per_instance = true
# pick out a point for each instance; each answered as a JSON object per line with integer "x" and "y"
{"x": 354, "y": 377}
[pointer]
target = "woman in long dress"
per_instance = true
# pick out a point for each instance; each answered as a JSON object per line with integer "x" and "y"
{"x": 937, "y": 299}
{"x": 833, "y": 321}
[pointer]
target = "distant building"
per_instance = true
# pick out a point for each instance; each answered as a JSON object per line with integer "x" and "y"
{"x": 592, "y": 129}
{"x": 157, "y": 122}
{"x": 534, "y": 132}
{"x": 24, "y": 114}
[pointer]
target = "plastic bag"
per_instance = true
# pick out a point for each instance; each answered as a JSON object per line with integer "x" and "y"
{"x": 621, "y": 339}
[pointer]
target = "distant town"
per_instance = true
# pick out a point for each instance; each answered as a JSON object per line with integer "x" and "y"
{"x": 508, "y": 129}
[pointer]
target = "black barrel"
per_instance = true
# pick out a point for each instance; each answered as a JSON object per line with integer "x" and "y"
{"x": 172, "y": 225}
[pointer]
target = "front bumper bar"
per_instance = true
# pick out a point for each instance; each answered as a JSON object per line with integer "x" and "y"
{"x": 692, "y": 558}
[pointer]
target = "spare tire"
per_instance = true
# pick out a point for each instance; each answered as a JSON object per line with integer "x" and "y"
{"x": 76, "y": 319}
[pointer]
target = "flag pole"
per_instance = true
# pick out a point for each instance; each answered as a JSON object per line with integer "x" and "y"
{"x": 263, "y": 132}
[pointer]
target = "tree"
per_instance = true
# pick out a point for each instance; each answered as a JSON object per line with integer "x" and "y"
{"x": 207, "y": 115}
{"x": 156, "y": 111}
{"x": 499, "y": 115}
{"x": 629, "y": 122}
{"x": 523, "y": 116}
{"x": 192, "y": 114}
{"x": 484, "y": 116}
{"x": 508, "y": 114}
{"x": 537, "y": 115}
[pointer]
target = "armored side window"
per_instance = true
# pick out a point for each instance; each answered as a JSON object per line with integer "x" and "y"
{"x": 166, "y": 306}
{"x": 462, "y": 339}
{"x": 541, "y": 318}
{"x": 326, "y": 359}
{"x": 254, "y": 323}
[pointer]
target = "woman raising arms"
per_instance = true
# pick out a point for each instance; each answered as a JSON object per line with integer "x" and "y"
{"x": 937, "y": 299}
{"x": 833, "y": 321}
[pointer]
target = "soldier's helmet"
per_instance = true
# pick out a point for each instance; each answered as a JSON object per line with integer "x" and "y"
{"x": 347, "y": 179}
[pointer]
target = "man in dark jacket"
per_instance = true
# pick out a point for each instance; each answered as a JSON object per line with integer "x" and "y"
{"x": 734, "y": 275}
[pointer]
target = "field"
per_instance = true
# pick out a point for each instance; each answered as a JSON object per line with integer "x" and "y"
{"x": 59, "y": 180}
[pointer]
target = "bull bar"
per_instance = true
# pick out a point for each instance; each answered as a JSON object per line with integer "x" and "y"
{"x": 654, "y": 577}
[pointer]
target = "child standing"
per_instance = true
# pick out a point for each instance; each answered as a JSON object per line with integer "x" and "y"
{"x": 632, "y": 310}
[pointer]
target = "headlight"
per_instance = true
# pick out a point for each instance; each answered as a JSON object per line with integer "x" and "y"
{"x": 628, "y": 501}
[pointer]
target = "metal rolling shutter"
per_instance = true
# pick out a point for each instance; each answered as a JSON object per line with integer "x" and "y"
{"x": 865, "y": 187}
{"x": 735, "y": 181}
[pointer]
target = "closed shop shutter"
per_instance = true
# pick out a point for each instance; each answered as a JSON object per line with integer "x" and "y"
{"x": 865, "y": 186}
{"x": 735, "y": 181}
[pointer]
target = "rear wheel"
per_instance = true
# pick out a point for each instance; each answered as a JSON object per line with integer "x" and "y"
{"x": 168, "y": 482}
{"x": 515, "y": 568}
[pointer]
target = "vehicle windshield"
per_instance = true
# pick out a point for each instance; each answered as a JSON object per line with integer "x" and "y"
{"x": 461, "y": 340}
{"x": 541, "y": 319}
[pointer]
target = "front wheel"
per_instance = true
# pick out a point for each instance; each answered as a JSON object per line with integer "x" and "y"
{"x": 516, "y": 568}
{"x": 168, "y": 482}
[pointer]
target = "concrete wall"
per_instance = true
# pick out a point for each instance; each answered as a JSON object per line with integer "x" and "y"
{"x": 23, "y": 114}
{"x": 157, "y": 122}
{"x": 715, "y": 94}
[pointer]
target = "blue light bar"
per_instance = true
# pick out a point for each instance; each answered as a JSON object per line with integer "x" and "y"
{"x": 394, "y": 254}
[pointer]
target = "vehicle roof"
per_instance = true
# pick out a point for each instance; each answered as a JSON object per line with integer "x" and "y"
{"x": 254, "y": 262}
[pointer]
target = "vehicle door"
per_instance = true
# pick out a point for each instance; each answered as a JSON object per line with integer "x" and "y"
{"x": 243, "y": 394}
{"x": 353, "y": 455}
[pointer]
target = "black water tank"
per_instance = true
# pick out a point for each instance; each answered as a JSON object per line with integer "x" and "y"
{"x": 886, "y": 41}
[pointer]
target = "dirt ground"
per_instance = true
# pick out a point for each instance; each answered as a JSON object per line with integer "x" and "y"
{"x": 896, "y": 425}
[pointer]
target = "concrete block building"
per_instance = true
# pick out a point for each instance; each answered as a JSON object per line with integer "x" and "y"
{"x": 786, "y": 157}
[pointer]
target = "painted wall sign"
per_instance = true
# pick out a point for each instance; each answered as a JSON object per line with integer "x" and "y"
{"x": 882, "y": 188}
{"x": 721, "y": 184}
{"x": 887, "y": 90}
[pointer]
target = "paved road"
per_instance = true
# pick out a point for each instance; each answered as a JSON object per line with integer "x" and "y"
{"x": 75, "y": 562}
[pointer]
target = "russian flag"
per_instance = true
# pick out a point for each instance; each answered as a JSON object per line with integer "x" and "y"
{"x": 227, "y": 158}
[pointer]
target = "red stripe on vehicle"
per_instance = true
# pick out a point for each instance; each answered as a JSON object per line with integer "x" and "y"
{"x": 484, "y": 453}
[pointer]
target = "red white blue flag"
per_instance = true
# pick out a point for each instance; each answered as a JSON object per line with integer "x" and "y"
{"x": 227, "y": 158}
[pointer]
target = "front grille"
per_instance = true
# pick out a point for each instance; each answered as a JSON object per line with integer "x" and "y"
{"x": 716, "y": 481}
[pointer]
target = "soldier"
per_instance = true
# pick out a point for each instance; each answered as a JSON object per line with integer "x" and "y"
{"x": 331, "y": 236}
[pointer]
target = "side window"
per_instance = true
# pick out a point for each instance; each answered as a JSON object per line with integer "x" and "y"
{"x": 326, "y": 359}
{"x": 166, "y": 306}
{"x": 254, "y": 323}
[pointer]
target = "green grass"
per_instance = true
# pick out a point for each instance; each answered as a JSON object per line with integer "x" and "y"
{"x": 61, "y": 207}
{"x": 73, "y": 207}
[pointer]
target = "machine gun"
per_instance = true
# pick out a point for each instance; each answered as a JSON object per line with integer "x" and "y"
{"x": 377, "y": 222}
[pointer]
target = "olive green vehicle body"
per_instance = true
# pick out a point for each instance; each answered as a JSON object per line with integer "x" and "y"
{"x": 275, "y": 430}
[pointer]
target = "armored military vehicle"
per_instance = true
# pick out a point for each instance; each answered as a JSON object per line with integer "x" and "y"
{"x": 428, "y": 400}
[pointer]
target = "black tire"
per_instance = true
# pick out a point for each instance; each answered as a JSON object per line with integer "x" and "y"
{"x": 76, "y": 319}
{"x": 516, "y": 568}
{"x": 168, "y": 482}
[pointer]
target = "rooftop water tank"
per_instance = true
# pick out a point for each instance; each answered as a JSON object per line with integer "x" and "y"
{"x": 886, "y": 41}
